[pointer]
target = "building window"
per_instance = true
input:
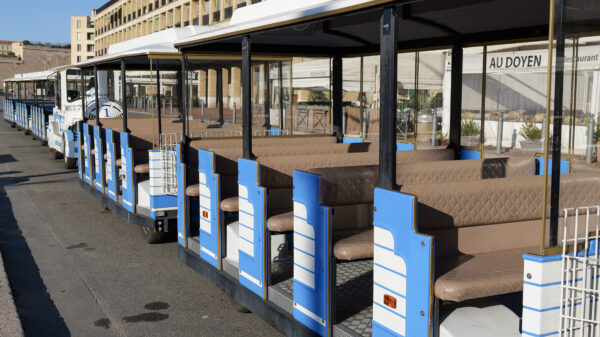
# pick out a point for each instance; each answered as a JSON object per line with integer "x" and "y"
{"x": 90, "y": 48}
{"x": 90, "y": 36}
{"x": 78, "y": 23}
{"x": 78, "y": 59}
{"x": 78, "y": 47}
{"x": 78, "y": 36}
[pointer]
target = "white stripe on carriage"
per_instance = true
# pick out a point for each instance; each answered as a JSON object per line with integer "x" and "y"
{"x": 304, "y": 244}
{"x": 202, "y": 178}
{"x": 246, "y": 247}
{"x": 246, "y": 219}
{"x": 389, "y": 279}
{"x": 304, "y": 276}
{"x": 304, "y": 260}
{"x": 388, "y": 319}
{"x": 204, "y": 190}
{"x": 302, "y": 227}
{"x": 205, "y": 202}
{"x": 310, "y": 314}
{"x": 246, "y": 206}
{"x": 250, "y": 278}
{"x": 243, "y": 191}
{"x": 379, "y": 292}
{"x": 388, "y": 259}
{"x": 246, "y": 233}
{"x": 384, "y": 237}
{"x": 205, "y": 226}
{"x": 206, "y": 251}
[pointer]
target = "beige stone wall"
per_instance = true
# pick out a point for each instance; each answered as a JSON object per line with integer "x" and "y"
{"x": 79, "y": 39}
{"x": 34, "y": 58}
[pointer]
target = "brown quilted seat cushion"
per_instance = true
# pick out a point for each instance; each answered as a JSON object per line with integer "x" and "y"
{"x": 118, "y": 163}
{"x": 230, "y": 205}
{"x": 465, "y": 277}
{"x": 262, "y": 141}
{"x": 293, "y": 149}
{"x": 93, "y": 151}
{"x": 355, "y": 247}
{"x": 105, "y": 156}
{"x": 283, "y": 222}
{"x": 492, "y": 201}
{"x": 193, "y": 190}
{"x": 142, "y": 168}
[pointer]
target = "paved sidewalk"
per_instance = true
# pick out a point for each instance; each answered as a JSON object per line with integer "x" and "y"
{"x": 10, "y": 324}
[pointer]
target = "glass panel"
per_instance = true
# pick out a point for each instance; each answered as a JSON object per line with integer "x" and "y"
{"x": 311, "y": 95}
{"x": 430, "y": 98}
{"x": 353, "y": 93}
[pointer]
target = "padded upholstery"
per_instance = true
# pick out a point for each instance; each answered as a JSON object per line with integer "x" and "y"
{"x": 105, "y": 156}
{"x": 193, "y": 190}
{"x": 142, "y": 168}
{"x": 230, "y": 205}
{"x": 118, "y": 162}
{"x": 283, "y": 222}
{"x": 466, "y": 277}
{"x": 355, "y": 247}
{"x": 93, "y": 151}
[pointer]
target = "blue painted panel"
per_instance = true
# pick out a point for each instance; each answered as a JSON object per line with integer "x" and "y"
{"x": 352, "y": 140}
{"x": 182, "y": 213}
{"x": 466, "y": 154}
{"x": 161, "y": 201}
{"x": 564, "y": 166}
{"x": 210, "y": 241}
{"x": 253, "y": 265}
{"x": 395, "y": 212}
{"x": 112, "y": 173}
{"x": 99, "y": 159}
{"x": 314, "y": 298}
{"x": 127, "y": 175}
{"x": 79, "y": 155}
{"x": 87, "y": 156}
{"x": 405, "y": 146}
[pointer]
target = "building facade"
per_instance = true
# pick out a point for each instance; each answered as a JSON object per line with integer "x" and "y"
{"x": 6, "y": 48}
{"x": 82, "y": 38}
{"x": 122, "y": 20}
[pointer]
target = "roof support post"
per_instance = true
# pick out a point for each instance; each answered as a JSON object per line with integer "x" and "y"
{"x": 182, "y": 99}
{"x": 267, "y": 96}
{"x": 456, "y": 98}
{"x": 337, "y": 97}
{"x": 97, "y": 97}
{"x": 246, "y": 97}
{"x": 388, "y": 91}
{"x": 82, "y": 94}
{"x": 124, "y": 94}
{"x": 280, "y": 77}
{"x": 559, "y": 15}
{"x": 158, "y": 100}
{"x": 220, "y": 94}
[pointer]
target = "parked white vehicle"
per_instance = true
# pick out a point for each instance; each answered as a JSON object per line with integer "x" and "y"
{"x": 67, "y": 112}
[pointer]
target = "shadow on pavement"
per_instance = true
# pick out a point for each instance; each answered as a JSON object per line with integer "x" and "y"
{"x": 38, "y": 313}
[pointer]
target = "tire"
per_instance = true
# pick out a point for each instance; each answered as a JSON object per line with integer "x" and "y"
{"x": 56, "y": 154}
{"x": 235, "y": 305}
{"x": 152, "y": 236}
{"x": 70, "y": 163}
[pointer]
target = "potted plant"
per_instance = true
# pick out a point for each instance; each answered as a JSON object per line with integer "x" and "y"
{"x": 470, "y": 133}
{"x": 532, "y": 135}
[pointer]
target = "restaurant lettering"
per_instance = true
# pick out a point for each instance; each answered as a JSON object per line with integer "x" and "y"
{"x": 507, "y": 62}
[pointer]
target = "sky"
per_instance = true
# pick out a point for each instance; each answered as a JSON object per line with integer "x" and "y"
{"x": 42, "y": 20}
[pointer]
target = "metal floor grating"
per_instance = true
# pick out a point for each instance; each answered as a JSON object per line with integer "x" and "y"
{"x": 231, "y": 267}
{"x": 354, "y": 298}
{"x": 194, "y": 244}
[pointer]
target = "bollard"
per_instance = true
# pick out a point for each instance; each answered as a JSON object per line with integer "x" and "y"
{"x": 590, "y": 141}
{"x": 499, "y": 135}
{"x": 234, "y": 112}
{"x": 433, "y": 127}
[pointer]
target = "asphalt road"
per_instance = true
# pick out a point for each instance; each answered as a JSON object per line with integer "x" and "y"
{"x": 78, "y": 270}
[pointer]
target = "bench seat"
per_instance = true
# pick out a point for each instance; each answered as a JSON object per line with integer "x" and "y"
{"x": 466, "y": 277}
{"x": 193, "y": 190}
{"x": 142, "y": 168}
{"x": 283, "y": 222}
{"x": 231, "y": 205}
{"x": 355, "y": 247}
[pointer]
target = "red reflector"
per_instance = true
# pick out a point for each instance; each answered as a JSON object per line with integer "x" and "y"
{"x": 204, "y": 214}
{"x": 390, "y": 301}
{"x": 123, "y": 176}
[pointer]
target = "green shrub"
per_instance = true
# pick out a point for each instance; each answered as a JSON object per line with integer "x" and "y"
{"x": 469, "y": 128}
{"x": 530, "y": 132}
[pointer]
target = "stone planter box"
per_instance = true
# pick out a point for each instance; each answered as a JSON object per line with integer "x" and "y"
{"x": 469, "y": 141}
{"x": 528, "y": 147}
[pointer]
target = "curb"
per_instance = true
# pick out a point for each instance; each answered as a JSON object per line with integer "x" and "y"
{"x": 10, "y": 324}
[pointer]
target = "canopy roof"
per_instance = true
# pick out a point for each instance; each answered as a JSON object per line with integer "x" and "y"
{"x": 352, "y": 27}
{"x": 139, "y": 51}
{"x": 34, "y": 76}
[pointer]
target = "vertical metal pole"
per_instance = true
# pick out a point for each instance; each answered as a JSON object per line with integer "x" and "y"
{"x": 182, "y": 101}
{"x": 337, "y": 97}
{"x": 124, "y": 94}
{"x": 234, "y": 112}
{"x": 267, "y": 88}
{"x": 456, "y": 99}
{"x": 433, "y": 127}
{"x": 158, "y": 99}
{"x": 246, "y": 97}
{"x": 280, "y": 77}
{"x": 388, "y": 91}
{"x": 483, "y": 94}
{"x": 220, "y": 93}
{"x": 544, "y": 140}
{"x": 361, "y": 100}
{"x": 590, "y": 141}
{"x": 97, "y": 96}
{"x": 83, "y": 116}
{"x": 499, "y": 134}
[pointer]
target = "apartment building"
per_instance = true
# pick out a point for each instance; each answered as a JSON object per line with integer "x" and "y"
{"x": 122, "y": 20}
{"x": 82, "y": 38}
{"x": 6, "y": 48}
